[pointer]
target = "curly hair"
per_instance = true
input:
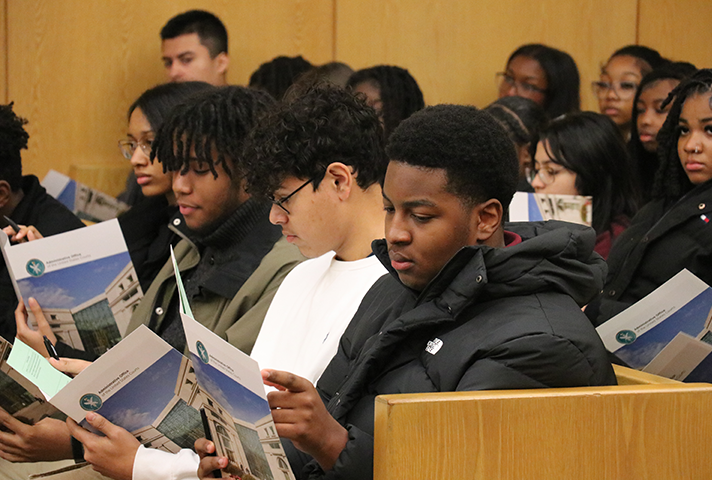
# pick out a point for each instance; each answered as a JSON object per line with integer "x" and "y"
{"x": 671, "y": 181}
{"x": 400, "y": 93}
{"x": 214, "y": 123}
{"x": 300, "y": 139}
{"x": 13, "y": 138}
{"x": 469, "y": 144}
{"x": 276, "y": 76}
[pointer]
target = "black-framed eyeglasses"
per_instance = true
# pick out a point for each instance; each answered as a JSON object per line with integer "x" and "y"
{"x": 280, "y": 202}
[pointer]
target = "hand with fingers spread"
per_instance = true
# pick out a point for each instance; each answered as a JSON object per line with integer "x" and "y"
{"x": 300, "y": 415}
{"x": 112, "y": 455}
{"x": 26, "y": 234}
{"x": 208, "y": 461}
{"x": 33, "y": 338}
{"x": 47, "y": 440}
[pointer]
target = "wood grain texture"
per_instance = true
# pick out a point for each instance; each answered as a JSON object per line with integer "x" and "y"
{"x": 3, "y": 51}
{"x": 641, "y": 432}
{"x": 454, "y": 49}
{"x": 678, "y": 29}
{"x": 75, "y": 66}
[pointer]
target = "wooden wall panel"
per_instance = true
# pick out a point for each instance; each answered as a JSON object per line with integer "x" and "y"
{"x": 454, "y": 49}
{"x": 678, "y": 29}
{"x": 76, "y": 65}
{"x": 3, "y": 51}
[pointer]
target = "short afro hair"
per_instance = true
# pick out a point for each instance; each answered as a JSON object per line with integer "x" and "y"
{"x": 325, "y": 124}
{"x": 470, "y": 145}
{"x": 13, "y": 138}
{"x": 213, "y": 122}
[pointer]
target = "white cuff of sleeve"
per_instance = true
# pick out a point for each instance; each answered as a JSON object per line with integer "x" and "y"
{"x": 152, "y": 464}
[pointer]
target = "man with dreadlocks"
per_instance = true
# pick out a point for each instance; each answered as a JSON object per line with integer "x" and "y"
{"x": 26, "y": 202}
{"x": 673, "y": 230}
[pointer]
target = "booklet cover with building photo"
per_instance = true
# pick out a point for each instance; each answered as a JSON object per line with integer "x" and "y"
{"x": 668, "y": 333}
{"x": 237, "y": 413}
{"x": 534, "y": 207}
{"x": 83, "y": 280}
{"x": 87, "y": 203}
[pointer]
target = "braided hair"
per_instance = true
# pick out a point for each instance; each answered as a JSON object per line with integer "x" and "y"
{"x": 521, "y": 117}
{"x": 671, "y": 181}
{"x": 276, "y": 76}
{"x": 211, "y": 128}
{"x": 400, "y": 93}
{"x": 13, "y": 138}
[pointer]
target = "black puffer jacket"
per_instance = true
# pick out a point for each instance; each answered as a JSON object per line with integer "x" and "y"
{"x": 493, "y": 318}
{"x": 661, "y": 240}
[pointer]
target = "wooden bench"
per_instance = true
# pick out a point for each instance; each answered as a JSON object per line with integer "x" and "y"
{"x": 647, "y": 427}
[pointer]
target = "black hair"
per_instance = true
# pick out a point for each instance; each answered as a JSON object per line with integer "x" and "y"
{"x": 213, "y": 123}
{"x": 521, "y": 117}
{"x": 400, "y": 93}
{"x": 646, "y": 163}
{"x": 671, "y": 181}
{"x": 472, "y": 147}
{"x": 562, "y": 77}
{"x": 210, "y": 30}
{"x": 590, "y": 145}
{"x": 276, "y": 76}
{"x": 651, "y": 57}
{"x": 300, "y": 139}
{"x": 335, "y": 73}
{"x": 156, "y": 103}
{"x": 13, "y": 138}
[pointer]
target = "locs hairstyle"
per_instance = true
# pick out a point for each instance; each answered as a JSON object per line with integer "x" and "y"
{"x": 671, "y": 182}
{"x": 210, "y": 30}
{"x": 471, "y": 146}
{"x": 211, "y": 128}
{"x": 300, "y": 139}
{"x": 13, "y": 138}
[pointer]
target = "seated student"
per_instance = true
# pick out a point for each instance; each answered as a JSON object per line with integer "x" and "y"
{"x": 648, "y": 118}
{"x": 320, "y": 159}
{"x": 146, "y": 226}
{"x": 522, "y": 119}
{"x": 583, "y": 154}
{"x": 235, "y": 259}
{"x": 467, "y": 305}
{"x": 276, "y": 76}
{"x": 672, "y": 231}
{"x": 391, "y": 91}
{"x": 26, "y": 202}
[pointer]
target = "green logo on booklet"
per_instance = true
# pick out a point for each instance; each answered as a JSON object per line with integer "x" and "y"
{"x": 35, "y": 267}
{"x": 90, "y": 402}
{"x": 626, "y": 337}
{"x": 202, "y": 352}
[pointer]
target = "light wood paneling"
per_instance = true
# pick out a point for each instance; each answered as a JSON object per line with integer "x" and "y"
{"x": 678, "y": 29}
{"x": 454, "y": 49}
{"x": 3, "y": 51}
{"x": 75, "y": 66}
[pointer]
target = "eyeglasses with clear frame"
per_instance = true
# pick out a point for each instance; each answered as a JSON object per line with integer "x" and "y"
{"x": 503, "y": 78}
{"x": 281, "y": 201}
{"x": 128, "y": 147}
{"x": 623, "y": 90}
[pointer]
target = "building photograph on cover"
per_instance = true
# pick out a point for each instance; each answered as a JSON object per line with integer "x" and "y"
{"x": 241, "y": 427}
{"x": 88, "y": 305}
{"x": 692, "y": 319}
{"x": 155, "y": 406}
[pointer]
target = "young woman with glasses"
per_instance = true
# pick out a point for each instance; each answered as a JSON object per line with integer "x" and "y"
{"x": 619, "y": 80}
{"x": 545, "y": 75}
{"x": 145, "y": 225}
{"x": 583, "y": 154}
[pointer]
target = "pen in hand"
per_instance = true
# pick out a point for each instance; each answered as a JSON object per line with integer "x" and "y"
{"x": 9, "y": 221}
{"x": 50, "y": 348}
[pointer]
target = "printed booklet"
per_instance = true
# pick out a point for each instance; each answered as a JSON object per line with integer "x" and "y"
{"x": 86, "y": 203}
{"x": 668, "y": 333}
{"x": 534, "y": 207}
{"x": 83, "y": 280}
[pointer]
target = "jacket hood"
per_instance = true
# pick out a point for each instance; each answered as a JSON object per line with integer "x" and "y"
{"x": 553, "y": 256}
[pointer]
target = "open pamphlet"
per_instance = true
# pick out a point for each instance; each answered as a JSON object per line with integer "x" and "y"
{"x": 535, "y": 207}
{"x": 85, "y": 202}
{"x": 668, "y": 333}
{"x": 145, "y": 386}
{"x": 83, "y": 280}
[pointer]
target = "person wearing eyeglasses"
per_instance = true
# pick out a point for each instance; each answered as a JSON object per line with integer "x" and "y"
{"x": 619, "y": 80}
{"x": 583, "y": 154}
{"x": 545, "y": 75}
